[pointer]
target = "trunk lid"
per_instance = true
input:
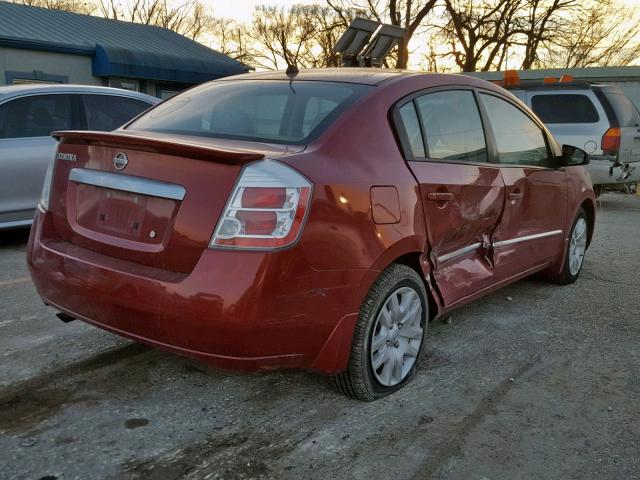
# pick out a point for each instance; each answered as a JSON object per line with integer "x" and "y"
{"x": 147, "y": 198}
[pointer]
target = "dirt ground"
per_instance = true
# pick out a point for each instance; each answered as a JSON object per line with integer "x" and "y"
{"x": 535, "y": 381}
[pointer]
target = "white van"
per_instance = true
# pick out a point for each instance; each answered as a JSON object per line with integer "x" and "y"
{"x": 597, "y": 118}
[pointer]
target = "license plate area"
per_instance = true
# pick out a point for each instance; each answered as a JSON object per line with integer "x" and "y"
{"x": 125, "y": 215}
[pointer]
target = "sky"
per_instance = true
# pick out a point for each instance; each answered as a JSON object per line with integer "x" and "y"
{"x": 241, "y": 10}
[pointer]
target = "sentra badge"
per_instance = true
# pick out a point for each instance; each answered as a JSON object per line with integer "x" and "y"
{"x": 67, "y": 157}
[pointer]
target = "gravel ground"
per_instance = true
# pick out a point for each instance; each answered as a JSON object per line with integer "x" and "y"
{"x": 534, "y": 381}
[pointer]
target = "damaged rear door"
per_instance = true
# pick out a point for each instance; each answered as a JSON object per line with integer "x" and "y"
{"x": 462, "y": 193}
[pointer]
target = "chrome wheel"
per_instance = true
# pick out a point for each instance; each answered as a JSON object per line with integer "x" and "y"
{"x": 578, "y": 246}
{"x": 397, "y": 336}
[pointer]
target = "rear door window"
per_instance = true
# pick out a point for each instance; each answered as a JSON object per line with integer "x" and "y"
{"x": 412, "y": 129}
{"x": 256, "y": 110}
{"x": 452, "y": 125}
{"x": 35, "y": 116}
{"x": 564, "y": 108}
{"x": 519, "y": 139}
{"x": 108, "y": 112}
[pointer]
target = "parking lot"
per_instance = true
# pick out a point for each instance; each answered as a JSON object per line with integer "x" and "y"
{"x": 534, "y": 381}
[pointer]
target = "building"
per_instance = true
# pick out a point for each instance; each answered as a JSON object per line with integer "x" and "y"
{"x": 40, "y": 45}
{"x": 625, "y": 78}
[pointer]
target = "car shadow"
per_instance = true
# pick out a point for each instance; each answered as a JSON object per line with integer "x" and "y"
{"x": 13, "y": 238}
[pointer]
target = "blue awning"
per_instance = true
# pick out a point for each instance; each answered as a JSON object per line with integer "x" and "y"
{"x": 123, "y": 62}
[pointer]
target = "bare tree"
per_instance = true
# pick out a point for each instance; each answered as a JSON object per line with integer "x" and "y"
{"x": 601, "y": 33}
{"x": 541, "y": 20}
{"x": 231, "y": 39}
{"x": 408, "y": 14}
{"x": 454, "y": 34}
{"x": 303, "y": 35}
{"x": 479, "y": 33}
{"x": 190, "y": 18}
{"x": 74, "y": 6}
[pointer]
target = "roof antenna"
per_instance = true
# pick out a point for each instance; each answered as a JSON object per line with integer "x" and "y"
{"x": 292, "y": 71}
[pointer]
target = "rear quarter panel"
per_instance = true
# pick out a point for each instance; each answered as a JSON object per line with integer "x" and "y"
{"x": 357, "y": 153}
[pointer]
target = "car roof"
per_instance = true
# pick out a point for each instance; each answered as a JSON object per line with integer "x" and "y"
{"x": 375, "y": 77}
{"x": 15, "y": 90}
{"x": 573, "y": 85}
{"x": 366, "y": 76}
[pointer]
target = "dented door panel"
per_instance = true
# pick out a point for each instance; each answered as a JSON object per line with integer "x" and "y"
{"x": 463, "y": 204}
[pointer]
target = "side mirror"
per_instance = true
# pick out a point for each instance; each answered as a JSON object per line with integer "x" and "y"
{"x": 573, "y": 156}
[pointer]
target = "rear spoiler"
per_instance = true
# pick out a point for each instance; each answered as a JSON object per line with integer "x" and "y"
{"x": 149, "y": 143}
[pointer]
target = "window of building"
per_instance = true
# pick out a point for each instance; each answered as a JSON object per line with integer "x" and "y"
{"x": 125, "y": 83}
{"x": 35, "y": 76}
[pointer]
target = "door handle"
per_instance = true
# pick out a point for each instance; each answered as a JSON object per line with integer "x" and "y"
{"x": 440, "y": 196}
{"x": 515, "y": 194}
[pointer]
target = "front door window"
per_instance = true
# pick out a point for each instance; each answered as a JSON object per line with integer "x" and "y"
{"x": 519, "y": 140}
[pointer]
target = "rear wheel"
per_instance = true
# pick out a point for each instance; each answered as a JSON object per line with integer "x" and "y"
{"x": 388, "y": 341}
{"x": 598, "y": 190}
{"x": 576, "y": 250}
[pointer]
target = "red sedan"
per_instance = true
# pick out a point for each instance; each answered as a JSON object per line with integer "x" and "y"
{"x": 316, "y": 222}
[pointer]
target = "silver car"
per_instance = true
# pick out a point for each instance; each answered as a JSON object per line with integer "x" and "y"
{"x": 28, "y": 115}
{"x": 600, "y": 119}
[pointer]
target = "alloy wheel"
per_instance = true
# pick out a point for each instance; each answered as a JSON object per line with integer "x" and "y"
{"x": 578, "y": 246}
{"x": 397, "y": 336}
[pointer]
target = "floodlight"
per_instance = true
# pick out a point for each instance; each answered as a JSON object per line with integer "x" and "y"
{"x": 353, "y": 41}
{"x": 383, "y": 41}
{"x": 367, "y": 43}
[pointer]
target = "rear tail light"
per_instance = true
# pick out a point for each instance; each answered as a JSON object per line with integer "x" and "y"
{"x": 266, "y": 209}
{"x": 46, "y": 187}
{"x": 611, "y": 141}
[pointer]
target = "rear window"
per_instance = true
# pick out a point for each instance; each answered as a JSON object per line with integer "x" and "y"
{"x": 564, "y": 108}
{"x": 264, "y": 111}
{"x": 626, "y": 112}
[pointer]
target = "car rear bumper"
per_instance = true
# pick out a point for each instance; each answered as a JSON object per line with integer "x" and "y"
{"x": 602, "y": 173}
{"x": 19, "y": 219}
{"x": 235, "y": 310}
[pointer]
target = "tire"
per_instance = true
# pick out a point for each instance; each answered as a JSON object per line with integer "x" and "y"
{"x": 381, "y": 320}
{"x": 570, "y": 273}
{"x": 598, "y": 190}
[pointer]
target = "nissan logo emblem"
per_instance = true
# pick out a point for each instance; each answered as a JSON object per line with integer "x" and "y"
{"x": 120, "y": 161}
